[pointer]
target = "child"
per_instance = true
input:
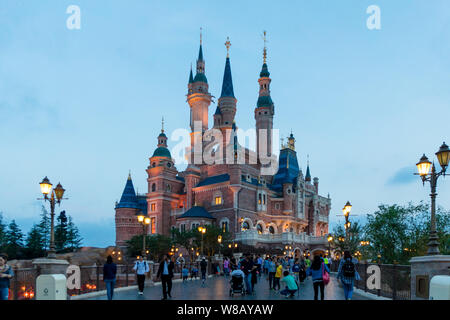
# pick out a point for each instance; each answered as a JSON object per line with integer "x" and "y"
{"x": 276, "y": 279}
{"x": 291, "y": 285}
{"x": 185, "y": 272}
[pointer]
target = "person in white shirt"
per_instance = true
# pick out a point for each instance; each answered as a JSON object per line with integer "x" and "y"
{"x": 141, "y": 267}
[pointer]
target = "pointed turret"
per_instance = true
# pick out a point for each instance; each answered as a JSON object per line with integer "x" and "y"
{"x": 191, "y": 81}
{"x": 199, "y": 100}
{"x": 308, "y": 174}
{"x": 227, "y": 101}
{"x": 264, "y": 110}
{"x": 162, "y": 150}
{"x": 129, "y": 198}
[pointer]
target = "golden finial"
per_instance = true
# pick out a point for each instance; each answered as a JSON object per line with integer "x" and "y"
{"x": 162, "y": 124}
{"x": 228, "y": 45}
{"x": 265, "y": 47}
{"x": 201, "y": 29}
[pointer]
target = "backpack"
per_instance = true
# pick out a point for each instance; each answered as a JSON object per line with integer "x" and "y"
{"x": 348, "y": 269}
{"x": 295, "y": 268}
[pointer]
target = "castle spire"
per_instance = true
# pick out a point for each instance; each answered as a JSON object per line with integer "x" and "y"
{"x": 227, "y": 84}
{"x": 308, "y": 174}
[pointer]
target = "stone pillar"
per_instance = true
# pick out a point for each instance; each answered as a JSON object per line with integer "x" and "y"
{"x": 423, "y": 269}
{"x": 51, "y": 266}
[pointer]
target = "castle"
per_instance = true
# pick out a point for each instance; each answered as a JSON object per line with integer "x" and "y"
{"x": 234, "y": 193}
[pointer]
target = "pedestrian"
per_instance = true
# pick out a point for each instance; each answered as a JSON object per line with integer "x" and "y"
{"x": 260, "y": 265}
{"x": 296, "y": 270}
{"x": 226, "y": 267}
{"x": 141, "y": 268}
{"x": 272, "y": 267}
{"x": 316, "y": 272}
{"x": 233, "y": 264}
{"x": 6, "y": 273}
{"x": 203, "y": 267}
{"x": 278, "y": 273}
{"x": 165, "y": 272}
{"x": 185, "y": 273}
{"x": 109, "y": 276}
{"x": 255, "y": 272}
{"x": 266, "y": 265}
{"x": 307, "y": 262}
{"x": 247, "y": 266}
{"x": 347, "y": 273}
{"x": 291, "y": 285}
{"x": 302, "y": 273}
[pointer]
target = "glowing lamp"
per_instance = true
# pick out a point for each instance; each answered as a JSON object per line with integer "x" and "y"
{"x": 347, "y": 208}
{"x": 443, "y": 156}
{"x": 423, "y": 166}
{"x": 147, "y": 221}
{"x": 59, "y": 192}
{"x": 46, "y": 186}
{"x": 141, "y": 217}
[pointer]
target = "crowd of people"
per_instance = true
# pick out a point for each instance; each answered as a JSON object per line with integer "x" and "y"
{"x": 287, "y": 271}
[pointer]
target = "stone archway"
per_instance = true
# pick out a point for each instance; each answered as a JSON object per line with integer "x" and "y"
{"x": 318, "y": 251}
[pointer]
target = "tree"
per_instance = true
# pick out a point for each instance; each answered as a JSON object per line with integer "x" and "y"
{"x": 34, "y": 246}
{"x": 2, "y": 233}
{"x": 44, "y": 228}
{"x": 14, "y": 241}
{"x": 398, "y": 233}
{"x": 61, "y": 232}
{"x": 73, "y": 236}
{"x": 157, "y": 245}
{"x": 210, "y": 243}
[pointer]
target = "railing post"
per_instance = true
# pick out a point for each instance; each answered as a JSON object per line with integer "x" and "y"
{"x": 365, "y": 276}
{"x": 394, "y": 281}
{"x": 97, "y": 267}
{"x": 15, "y": 292}
{"x": 126, "y": 274}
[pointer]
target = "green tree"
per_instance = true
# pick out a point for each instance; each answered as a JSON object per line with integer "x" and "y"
{"x": 61, "y": 232}
{"x": 356, "y": 234}
{"x": 43, "y": 228}
{"x": 398, "y": 233}
{"x": 2, "y": 233}
{"x": 182, "y": 238}
{"x": 14, "y": 241}
{"x": 74, "y": 239}
{"x": 34, "y": 243}
{"x": 157, "y": 245}
{"x": 210, "y": 239}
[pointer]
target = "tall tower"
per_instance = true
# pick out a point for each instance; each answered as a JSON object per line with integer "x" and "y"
{"x": 227, "y": 101}
{"x": 199, "y": 100}
{"x": 264, "y": 110}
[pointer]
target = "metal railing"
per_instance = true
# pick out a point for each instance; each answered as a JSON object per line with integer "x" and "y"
{"x": 395, "y": 280}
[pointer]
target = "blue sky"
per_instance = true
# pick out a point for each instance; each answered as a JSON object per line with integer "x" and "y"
{"x": 84, "y": 106}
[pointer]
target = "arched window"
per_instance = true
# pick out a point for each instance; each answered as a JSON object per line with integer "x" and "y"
{"x": 225, "y": 226}
{"x": 245, "y": 226}
{"x": 271, "y": 230}
{"x": 259, "y": 228}
{"x": 168, "y": 187}
{"x": 259, "y": 198}
{"x": 153, "y": 187}
{"x": 264, "y": 199}
{"x": 154, "y": 164}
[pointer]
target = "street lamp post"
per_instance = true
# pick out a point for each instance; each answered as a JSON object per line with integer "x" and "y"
{"x": 346, "y": 210}
{"x": 423, "y": 167}
{"x": 202, "y": 230}
{"x": 145, "y": 221}
{"x": 219, "y": 240}
{"x": 56, "y": 195}
{"x": 329, "y": 239}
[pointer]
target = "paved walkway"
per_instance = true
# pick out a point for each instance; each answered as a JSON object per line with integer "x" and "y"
{"x": 217, "y": 288}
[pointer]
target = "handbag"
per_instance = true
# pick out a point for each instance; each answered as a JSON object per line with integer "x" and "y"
{"x": 325, "y": 275}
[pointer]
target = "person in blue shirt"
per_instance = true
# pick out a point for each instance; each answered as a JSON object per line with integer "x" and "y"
{"x": 185, "y": 273}
{"x": 141, "y": 267}
{"x": 6, "y": 273}
{"x": 291, "y": 285}
{"x": 347, "y": 273}
{"x": 316, "y": 271}
{"x": 109, "y": 276}
{"x": 272, "y": 268}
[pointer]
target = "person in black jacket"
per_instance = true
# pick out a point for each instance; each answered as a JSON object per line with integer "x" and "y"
{"x": 165, "y": 272}
{"x": 109, "y": 276}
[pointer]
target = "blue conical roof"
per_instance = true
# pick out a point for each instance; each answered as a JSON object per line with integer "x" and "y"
{"x": 227, "y": 84}
{"x": 128, "y": 199}
{"x": 217, "y": 111}
{"x": 264, "y": 71}
{"x": 191, "y": 77}
{"x": 308, "y": 174}
{"x": 200, "y": 54}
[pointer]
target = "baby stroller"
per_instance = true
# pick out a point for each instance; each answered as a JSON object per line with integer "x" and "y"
{"x": 237, "y": 285}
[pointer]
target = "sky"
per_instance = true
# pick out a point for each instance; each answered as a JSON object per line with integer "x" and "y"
{"x": 83, "y": 106}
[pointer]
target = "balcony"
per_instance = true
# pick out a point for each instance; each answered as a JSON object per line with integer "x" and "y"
{"x": 322, "y": 218}
{"x": 251, "y": 237}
